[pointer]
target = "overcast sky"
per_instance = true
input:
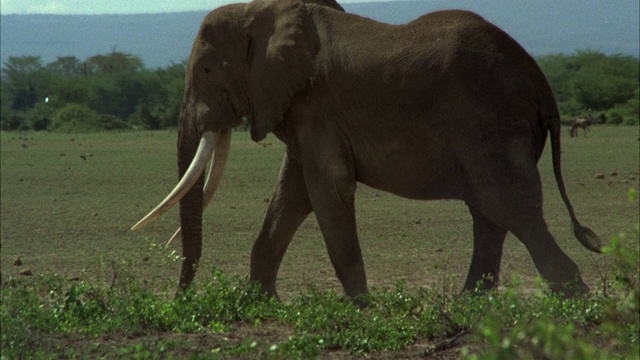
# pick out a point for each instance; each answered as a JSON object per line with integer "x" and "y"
{"x": 112, "y": 6}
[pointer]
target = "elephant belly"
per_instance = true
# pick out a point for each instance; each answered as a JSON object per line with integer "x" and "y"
{"x": 422, "y": 179}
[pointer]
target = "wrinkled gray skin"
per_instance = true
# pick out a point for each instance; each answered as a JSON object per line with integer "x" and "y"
{"x": 445, "y": 107}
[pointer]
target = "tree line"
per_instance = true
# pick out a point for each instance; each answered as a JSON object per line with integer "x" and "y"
{"x": 112, "y": 91}
{"x": 115, "y": 91}
{"x": 589, "y": 83}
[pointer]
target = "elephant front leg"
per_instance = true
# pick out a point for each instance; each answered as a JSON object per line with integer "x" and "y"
{"x": 340, "y": 235}
{"x": 488, "y": 240}
{"x": 287, "y": 210}
{"x": 332, "y": 192}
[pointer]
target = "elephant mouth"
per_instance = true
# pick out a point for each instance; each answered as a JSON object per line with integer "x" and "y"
{"x": 214, "y": 147}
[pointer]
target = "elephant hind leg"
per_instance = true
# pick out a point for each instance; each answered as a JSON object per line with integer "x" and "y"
{"x": 553, "y": 264}
{"x": 511, "y": 197}
{"x": 488, "y": 240}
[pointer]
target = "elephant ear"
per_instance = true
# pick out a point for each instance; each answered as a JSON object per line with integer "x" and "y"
{"x": 328, "y": 3}
{"x": 283, "y": 44}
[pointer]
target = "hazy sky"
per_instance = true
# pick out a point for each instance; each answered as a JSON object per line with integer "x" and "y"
{"x": 113, "y": 6}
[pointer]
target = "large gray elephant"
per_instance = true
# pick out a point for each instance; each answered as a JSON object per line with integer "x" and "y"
{"x": 445, "y": 107}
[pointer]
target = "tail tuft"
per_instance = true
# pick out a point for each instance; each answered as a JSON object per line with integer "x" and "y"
{"x": 588, "y": 238}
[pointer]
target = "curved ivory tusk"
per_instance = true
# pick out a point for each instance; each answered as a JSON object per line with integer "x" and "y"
{"x": 175, "y": 236}
{"x": 218, "y": 163}
{"x": 198, "y": 164}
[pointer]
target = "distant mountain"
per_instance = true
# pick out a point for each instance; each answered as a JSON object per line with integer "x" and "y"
{"x": 541, "y": 26}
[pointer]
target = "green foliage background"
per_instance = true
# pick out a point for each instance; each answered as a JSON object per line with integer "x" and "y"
{"x": 590, "y": 83}
{"x": 116, "y": 91}
{"x": 107, "y": 92}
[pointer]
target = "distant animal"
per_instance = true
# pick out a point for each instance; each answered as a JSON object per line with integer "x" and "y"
{"x": 582, "y": 123}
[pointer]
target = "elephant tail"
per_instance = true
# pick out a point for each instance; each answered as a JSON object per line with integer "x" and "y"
{"x": 586, "y": 236}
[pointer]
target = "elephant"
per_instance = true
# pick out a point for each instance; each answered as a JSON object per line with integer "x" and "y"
{"x": 447, "y": 106}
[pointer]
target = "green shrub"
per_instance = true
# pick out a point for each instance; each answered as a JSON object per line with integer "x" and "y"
{"x": 506, "y": 324}
{"x": 604, "y": 325}
{"x": 40, "y": 117}
{"x": 75, "y": 118}
{"x": 112, "y": 122}
{"x": 589, "y": 81}
{"x": 15, "y": 121}
{"x": 614, "y": 117}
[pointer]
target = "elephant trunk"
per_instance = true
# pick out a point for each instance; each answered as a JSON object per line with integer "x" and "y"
{"x": 193, "y": 196}
{"x": 218, "y": 164}
{"x": 190, "y": 211}
{"x": 196, "y": 200}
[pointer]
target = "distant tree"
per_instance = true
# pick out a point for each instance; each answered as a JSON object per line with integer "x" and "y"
{"x": 120, "y": 93}
{"x": 558, "y": 70}
{"x": 25, "y": 80}
{"x": 104, "y": 95}
{"x": 17, "y": 65}
{"x": 589, "y": 81}
{"x": 115, "y": 91}
{"x": 114, "y": 62}
{"x": 140, "y": 88}
{"x": 70, "y": 89}
{"x": 5, "y": 106}
{"x": 145, "y": 118}
{"x": 66, "y": 65}
{"x": 169, "y": 103}
{"x": 606, "y": 82}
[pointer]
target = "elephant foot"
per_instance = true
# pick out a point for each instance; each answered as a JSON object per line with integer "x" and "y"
{"x": 267, "y": 290}
{"x": 362, "y": 301}
{"x": 480, "y": 285}
{"x": 187, "y": 273}
{"x": 570, "y": 290}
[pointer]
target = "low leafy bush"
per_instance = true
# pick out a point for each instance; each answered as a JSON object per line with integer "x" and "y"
{"x": 75, "y": 118}
{"x": 51, "y": 317}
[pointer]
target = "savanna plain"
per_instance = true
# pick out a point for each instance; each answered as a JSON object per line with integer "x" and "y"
{"x": 77, "y": 283}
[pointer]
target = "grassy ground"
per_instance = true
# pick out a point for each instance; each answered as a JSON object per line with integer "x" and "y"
{"x": 68, "y": 202}
{"x": 69, "y": 199}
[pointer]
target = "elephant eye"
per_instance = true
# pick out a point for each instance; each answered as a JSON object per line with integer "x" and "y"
{"x": 206, "y": 71}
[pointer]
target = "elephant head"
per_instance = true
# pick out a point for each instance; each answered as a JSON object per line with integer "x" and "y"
{"x": 247, "y": 61}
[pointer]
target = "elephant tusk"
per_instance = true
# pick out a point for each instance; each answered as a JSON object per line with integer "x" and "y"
{"x": 198, "y": 164}
{"x": 218, "y": 163}
{"x": 175, "y": 235}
